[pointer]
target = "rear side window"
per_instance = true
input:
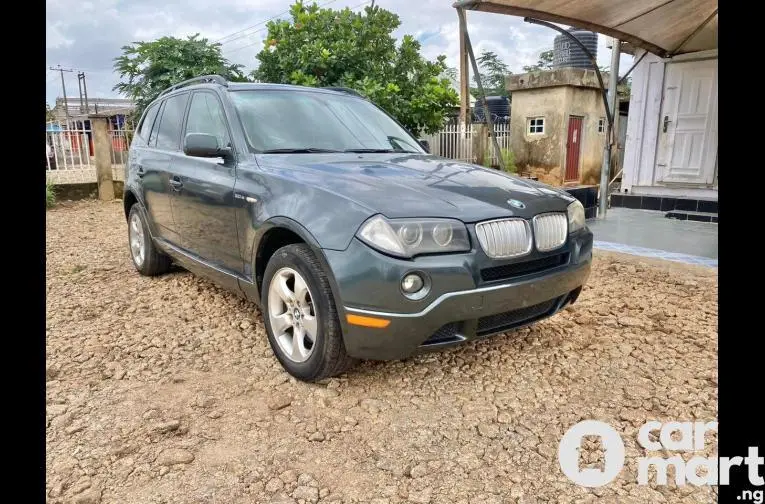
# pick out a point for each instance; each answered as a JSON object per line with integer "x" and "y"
{"x": 155, "y": 126}
{"x": 206, "y": 116}
{"x": 169, "y": 134}
{"x": 148, "y": 121}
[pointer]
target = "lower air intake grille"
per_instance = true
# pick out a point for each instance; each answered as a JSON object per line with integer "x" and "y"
{"x": 507, "y": 320}
{"x": 508, "y": 271}
{"x": 445, "y": 334}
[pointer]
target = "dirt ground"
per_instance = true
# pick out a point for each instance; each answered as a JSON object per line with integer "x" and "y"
{"x": 165, "y": 391}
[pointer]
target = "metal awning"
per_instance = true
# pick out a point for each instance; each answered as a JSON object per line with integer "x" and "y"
{"x": 663, "y": 27}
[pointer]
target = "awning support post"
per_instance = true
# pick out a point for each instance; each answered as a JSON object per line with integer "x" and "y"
{"x": 492, "y": 133}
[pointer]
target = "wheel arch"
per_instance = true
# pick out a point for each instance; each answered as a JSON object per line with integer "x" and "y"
{"x": 283, "y": 231}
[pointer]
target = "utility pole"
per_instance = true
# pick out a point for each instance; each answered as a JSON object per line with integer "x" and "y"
{"x": 612, "y": 109}
{"x": 63, "y": 89}
{"x": 83, "y": 88}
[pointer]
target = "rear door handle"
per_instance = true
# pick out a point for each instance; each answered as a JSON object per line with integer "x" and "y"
{"x": 176, "y": 183}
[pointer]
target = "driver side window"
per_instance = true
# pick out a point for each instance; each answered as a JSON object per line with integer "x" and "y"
{"x": 206, "y": 116}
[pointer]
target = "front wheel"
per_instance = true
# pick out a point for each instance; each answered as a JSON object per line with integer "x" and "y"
{"x": 300, "y": 315}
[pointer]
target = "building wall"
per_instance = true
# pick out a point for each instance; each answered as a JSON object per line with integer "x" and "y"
{"x": 539, "y": 155}
{"x": 643, "y": 126}
{"x": 544, "y": 155}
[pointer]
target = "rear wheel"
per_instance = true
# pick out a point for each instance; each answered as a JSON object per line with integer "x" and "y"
{"x": 300, "y": 315}
{"x": 147, "y": 258}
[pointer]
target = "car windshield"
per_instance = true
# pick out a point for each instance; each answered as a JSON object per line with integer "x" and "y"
{"x": 304, "y": 121}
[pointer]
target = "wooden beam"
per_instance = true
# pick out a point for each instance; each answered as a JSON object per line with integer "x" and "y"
{"x": 464, "y": 73}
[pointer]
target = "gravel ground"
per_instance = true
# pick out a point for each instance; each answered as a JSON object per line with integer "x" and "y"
{"x": 165, "y": 390}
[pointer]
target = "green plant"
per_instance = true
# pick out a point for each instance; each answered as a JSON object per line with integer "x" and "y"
{"x": 507, "y": 156}
{"x": 50, "y": 195}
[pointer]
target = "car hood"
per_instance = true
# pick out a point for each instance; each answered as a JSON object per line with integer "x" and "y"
{"x": 419, "y": 185}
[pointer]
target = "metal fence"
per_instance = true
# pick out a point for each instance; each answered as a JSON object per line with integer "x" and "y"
{"x": 455, "y": 141}
{"x": 70, "y": 151}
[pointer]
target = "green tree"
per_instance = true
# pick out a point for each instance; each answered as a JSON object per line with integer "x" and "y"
{"x": 49, "y": 116}
{"x": 545, "y": 62}
{"x": 493, "y": 72}
{"x": 147, "y": 68}
{"x": 326, "y": 47}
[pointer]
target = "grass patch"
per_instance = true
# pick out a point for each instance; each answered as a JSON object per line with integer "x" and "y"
{"x": 50, "y": 195}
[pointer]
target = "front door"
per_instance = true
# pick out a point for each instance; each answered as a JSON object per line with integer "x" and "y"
{"x": 573, "y": 148}
{"x": 687, "y": 149}
{"x": 207, "y": 220}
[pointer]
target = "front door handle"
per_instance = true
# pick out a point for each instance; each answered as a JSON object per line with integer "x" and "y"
{"x": 666, "y": 123}
{"x": 141, "y": 172}
{"x": 248, "y": 199}
{"x": 176, "y": 183}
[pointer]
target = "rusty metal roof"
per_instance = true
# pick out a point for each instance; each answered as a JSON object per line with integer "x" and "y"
{"x": 663, "y": 27}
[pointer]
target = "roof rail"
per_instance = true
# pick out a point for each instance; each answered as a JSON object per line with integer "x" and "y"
{"x": 197, "y": 80}
{"x": 345, "y": 90}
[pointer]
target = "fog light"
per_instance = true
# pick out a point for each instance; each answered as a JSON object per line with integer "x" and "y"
{"x": 412, "y": 283}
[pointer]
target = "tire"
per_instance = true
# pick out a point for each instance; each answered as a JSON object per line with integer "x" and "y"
{"x": 326, "y": 356}
{"x": 153, "y": 261}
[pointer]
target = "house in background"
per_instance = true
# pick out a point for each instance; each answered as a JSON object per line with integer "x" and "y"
{"x": 558, "y": 125}
{"x": 670, "y": 160}
{"x": 111, "y": 106}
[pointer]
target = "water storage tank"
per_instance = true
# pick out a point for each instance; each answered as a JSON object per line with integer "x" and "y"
{"x": 566, "y": 53}
{"x": 499, "y": 107}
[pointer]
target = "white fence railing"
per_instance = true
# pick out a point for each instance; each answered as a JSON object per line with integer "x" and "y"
{"x": 455, "y": 141}
{"x": 70, "y": 151}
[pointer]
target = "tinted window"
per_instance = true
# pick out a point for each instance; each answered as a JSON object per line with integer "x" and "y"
{"x": 206, "y": 116}
{"x": 169, "y": 134}
{"x": 293, "y": 120}
{"x": 148, "y": 121}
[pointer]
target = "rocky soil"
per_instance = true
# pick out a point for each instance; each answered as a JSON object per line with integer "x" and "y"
{"x": 165, "y": 391}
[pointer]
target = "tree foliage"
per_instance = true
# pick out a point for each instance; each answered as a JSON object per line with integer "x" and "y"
{"x": 49, "y": 115}
{"x": 493, "y": 72}
{"x": 545, "y": 62}
{"x": 147, "y": 68}
{"x": 326, "y": 47}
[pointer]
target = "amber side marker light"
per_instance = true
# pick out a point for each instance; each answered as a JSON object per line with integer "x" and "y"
{"x": 367, "y": 321}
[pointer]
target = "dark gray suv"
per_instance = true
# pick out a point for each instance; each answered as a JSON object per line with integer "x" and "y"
{"x": 326, "y": 212}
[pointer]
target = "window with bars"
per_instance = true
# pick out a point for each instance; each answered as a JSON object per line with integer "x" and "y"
{"x": 536, "y": 125}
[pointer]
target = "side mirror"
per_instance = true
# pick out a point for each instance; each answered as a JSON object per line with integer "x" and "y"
{"x": 425, "y": 145}
{"x": 203, "y": 145}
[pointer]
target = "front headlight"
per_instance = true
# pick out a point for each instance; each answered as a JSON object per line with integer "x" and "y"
{"x": 575, "y": 216}
{"x": 411, "y": 237}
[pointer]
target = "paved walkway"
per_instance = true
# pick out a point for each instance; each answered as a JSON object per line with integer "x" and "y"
{"x": 650, "y": 234}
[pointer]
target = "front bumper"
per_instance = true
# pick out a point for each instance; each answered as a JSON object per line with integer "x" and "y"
{"x": 461, "y": 305}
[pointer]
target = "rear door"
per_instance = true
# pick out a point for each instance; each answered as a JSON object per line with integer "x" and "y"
{"x": 208, "y": 219}
{"x": 168, "y": 143}
{"x": 152, "y": 166}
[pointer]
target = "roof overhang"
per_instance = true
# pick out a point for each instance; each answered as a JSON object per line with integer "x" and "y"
{"x": 662, "y": 27}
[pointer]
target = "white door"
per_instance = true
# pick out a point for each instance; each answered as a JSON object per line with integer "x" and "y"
{"x": 687, "y": 150}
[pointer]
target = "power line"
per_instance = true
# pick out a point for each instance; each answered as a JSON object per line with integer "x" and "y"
{"x": 257, "y": 42}
{"x": 220, "y": 40}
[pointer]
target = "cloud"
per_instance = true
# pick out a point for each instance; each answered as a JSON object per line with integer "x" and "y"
{"x": 88, "y": 35}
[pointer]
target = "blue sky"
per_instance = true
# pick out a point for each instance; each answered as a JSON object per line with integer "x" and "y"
{"x": 88, "y": 35}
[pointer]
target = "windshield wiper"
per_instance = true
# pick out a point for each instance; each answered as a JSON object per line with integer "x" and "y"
{"x": 299, "y": 150}
{"x": 374, "y": 150}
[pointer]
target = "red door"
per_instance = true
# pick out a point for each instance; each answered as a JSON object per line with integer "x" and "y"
{"x": 573, "y": 148}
